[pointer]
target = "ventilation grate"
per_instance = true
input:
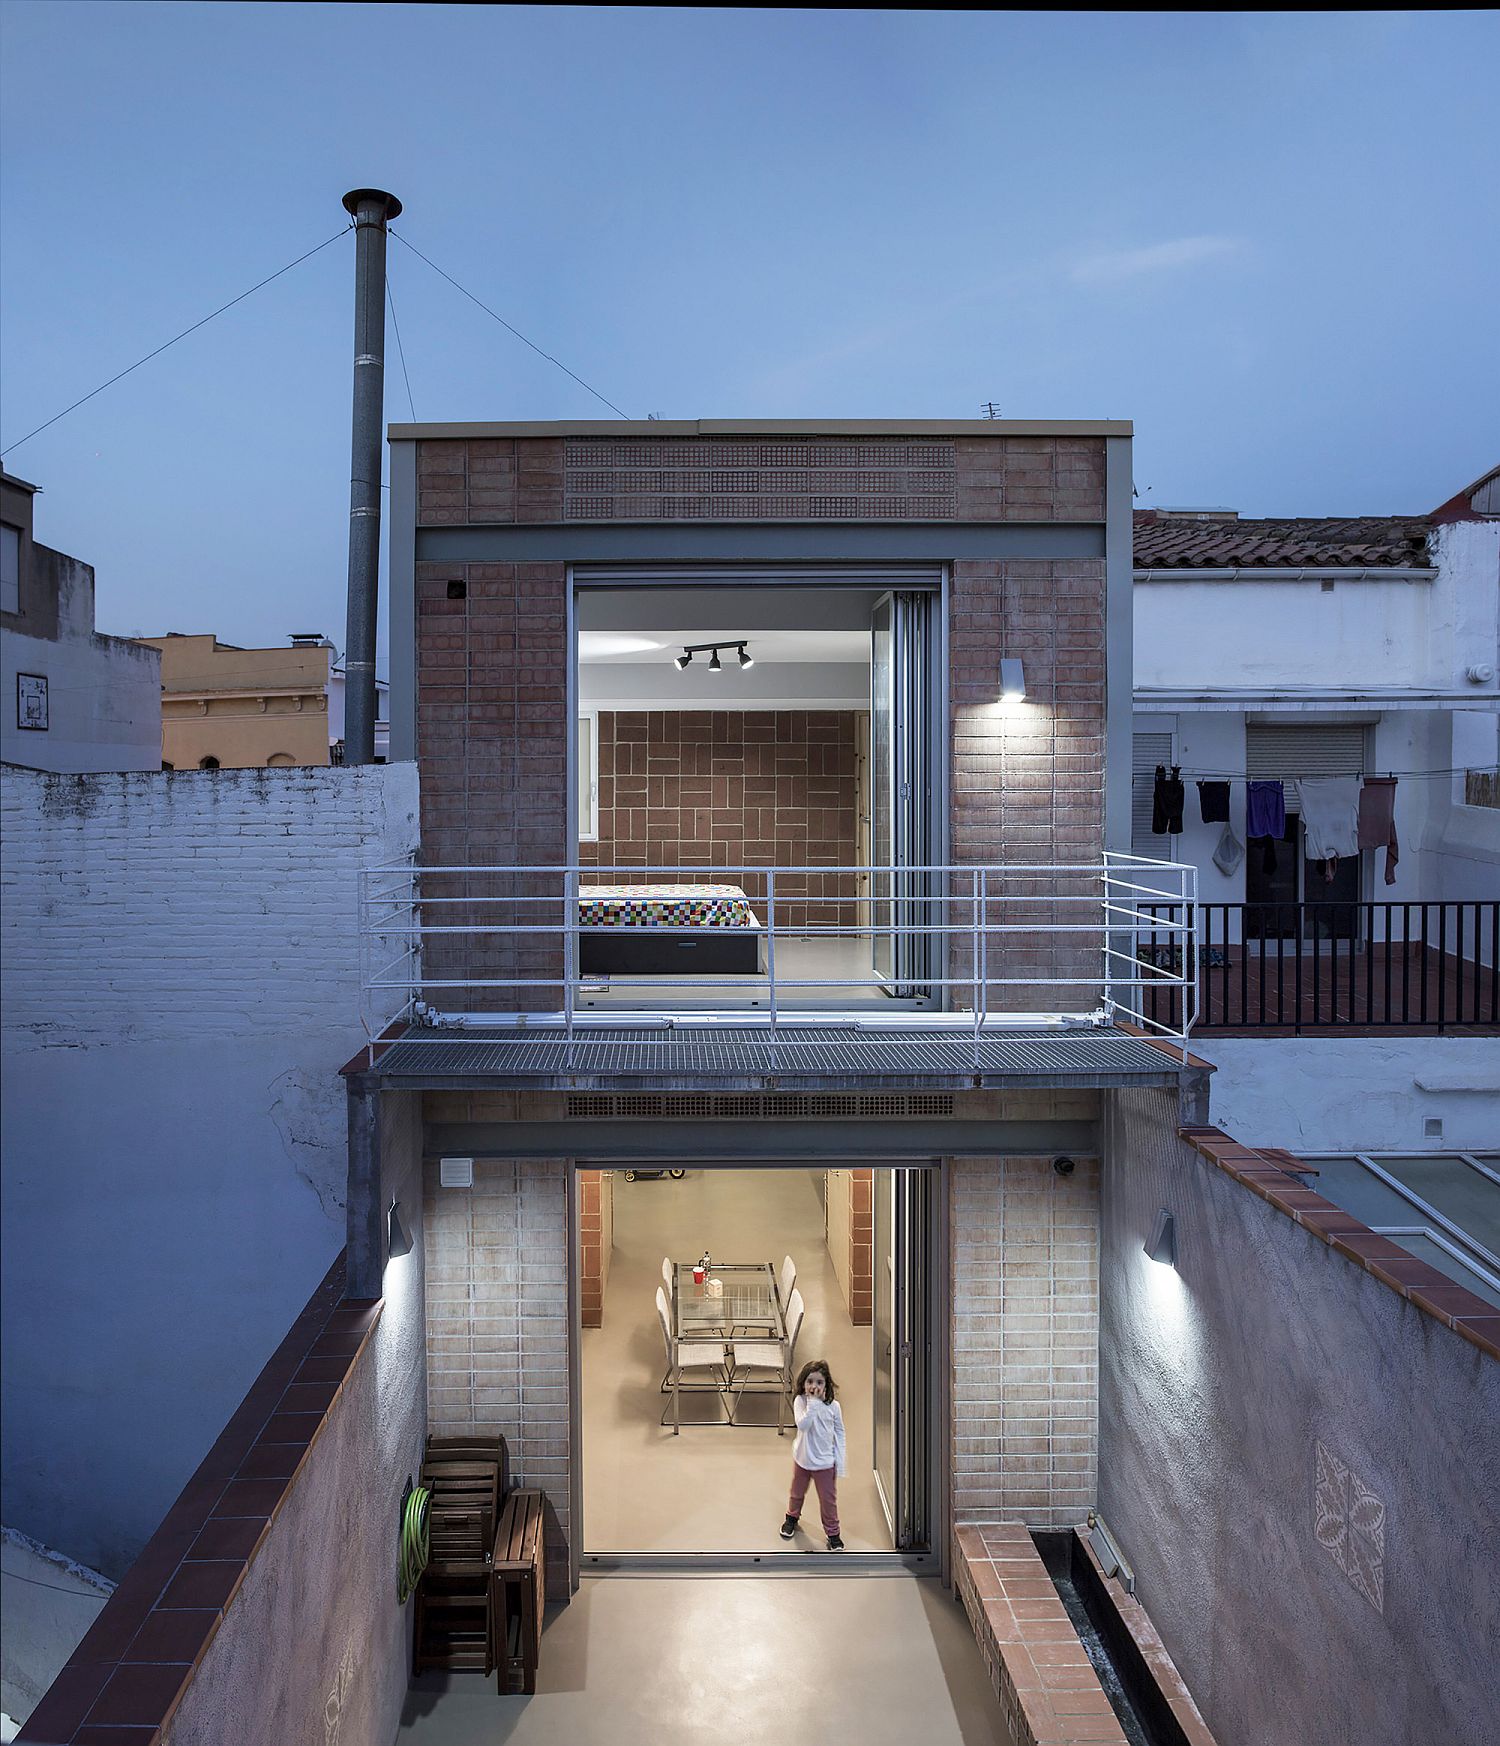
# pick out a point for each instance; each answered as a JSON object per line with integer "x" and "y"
{"x": 775, "y": 1106}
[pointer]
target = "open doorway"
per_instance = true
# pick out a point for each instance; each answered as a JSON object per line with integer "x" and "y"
{"x": 755, "y": 776}
{"x": 828, "y": 1263}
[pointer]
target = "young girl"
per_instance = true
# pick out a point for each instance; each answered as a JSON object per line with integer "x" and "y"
{"x": 818, "y": 1452}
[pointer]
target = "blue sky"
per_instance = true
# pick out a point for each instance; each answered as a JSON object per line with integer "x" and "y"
{"x": 1269, "y": 240}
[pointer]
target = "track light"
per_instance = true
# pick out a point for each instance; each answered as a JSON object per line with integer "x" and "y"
{"x": 683, "y": 659}
{"x": 715, "y": 665}
{"x": 746, "y": 658}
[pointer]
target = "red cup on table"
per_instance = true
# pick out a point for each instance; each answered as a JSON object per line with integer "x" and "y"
{"x": 697, "y": 1276}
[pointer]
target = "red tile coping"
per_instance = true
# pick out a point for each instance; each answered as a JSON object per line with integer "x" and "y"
{"x": 372, "y": 1051}
{"x": 125, "y": 1679}
{"x": 1172, "y": 1050}
{"x": 1268, "y": 1172}
{"x": 1163, "y": 1670}
{"x": 1039, "y": 1669}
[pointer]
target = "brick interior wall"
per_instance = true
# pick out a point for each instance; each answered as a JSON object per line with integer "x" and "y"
{"x": 720, "y": 788}
{"x": 861, "y": 1245}
{"x": 596, "y": 1236}
{"x": 1025, "y": 1306}
{"x": 497, "y": 1324}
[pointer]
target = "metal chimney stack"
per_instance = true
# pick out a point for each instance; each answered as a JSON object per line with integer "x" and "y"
{"x": 371, "y": 209}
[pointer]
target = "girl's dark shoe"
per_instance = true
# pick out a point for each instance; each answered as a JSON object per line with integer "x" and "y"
{"x": 835, "y": 1544}
{"x": 788, "y": 1527}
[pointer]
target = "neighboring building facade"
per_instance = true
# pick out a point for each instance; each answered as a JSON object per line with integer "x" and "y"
{"x": 72, "y": 700}
{"x": 1343, "y": 1006}
{"x": 230, "y": 708}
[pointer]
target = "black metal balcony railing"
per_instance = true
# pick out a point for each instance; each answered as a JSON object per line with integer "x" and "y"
{"x": 1301, "y": 967}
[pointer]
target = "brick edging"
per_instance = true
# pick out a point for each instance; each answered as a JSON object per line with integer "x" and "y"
{"x": 1265, "y": 1171}
{"x": 128, "y": 1675}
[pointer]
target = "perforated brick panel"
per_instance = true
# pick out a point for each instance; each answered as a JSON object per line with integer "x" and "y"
{"x": 738, "y": 479}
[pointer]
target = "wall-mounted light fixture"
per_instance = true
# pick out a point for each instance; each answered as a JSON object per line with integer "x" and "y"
{"x": 397, "y": 1242}
{"x": 1012, "y": 679}
{"x": 1162, "y": 1244}
{"x": 715, "y": 665}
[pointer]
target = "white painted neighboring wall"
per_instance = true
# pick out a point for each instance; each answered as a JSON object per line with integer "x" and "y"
{"x": 47, "y": 1602}
{"x": 181, "y": 965}
{"x": 103, "y": 693}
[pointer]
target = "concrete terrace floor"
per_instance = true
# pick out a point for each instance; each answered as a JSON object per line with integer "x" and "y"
{"x": 732, "y": 1661}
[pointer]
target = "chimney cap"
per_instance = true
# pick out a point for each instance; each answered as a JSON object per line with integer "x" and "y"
{"x": 356, "y": 197}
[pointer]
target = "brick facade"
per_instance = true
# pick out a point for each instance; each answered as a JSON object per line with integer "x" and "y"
{"x": 497, "y": 1323}
{"x": 1025, "y": 1329}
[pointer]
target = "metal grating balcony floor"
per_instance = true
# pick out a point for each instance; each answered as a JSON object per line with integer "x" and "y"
{"x": 619, "y": 1057}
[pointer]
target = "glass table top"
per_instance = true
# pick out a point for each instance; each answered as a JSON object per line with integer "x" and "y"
{"x": 740, "y": 1294}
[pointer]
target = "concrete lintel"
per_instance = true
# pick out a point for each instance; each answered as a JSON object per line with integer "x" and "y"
{"x": 1168, "y": 1077}
{"x": 769, "y": 1142}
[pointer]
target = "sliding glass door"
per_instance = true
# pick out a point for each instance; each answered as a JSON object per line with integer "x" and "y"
{"x": 902, "y": 1208}
{"x": 901, "y": 789}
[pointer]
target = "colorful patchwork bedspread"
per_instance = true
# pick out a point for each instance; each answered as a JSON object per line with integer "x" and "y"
{"x": 664, "y": 906}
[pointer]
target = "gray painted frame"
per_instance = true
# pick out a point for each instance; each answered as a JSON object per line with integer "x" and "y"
{"x": 401, "y": 632}
{"x": 1119, "y": 665}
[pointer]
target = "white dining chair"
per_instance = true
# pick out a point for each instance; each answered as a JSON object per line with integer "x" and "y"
{"x": 765, "y": 1362}
{"x": 682, "y": 1359}
{"x": 788, "y": 1278}
{"x": 666, "y": 1274}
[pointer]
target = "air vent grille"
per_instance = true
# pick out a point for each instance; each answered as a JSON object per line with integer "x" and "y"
{"x": 776, "y": 1106}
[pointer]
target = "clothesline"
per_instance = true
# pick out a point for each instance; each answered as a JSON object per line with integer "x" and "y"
{"x": 1239, "y": 776}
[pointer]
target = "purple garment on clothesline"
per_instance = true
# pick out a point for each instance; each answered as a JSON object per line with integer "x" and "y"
{"x": 1265, "y": 809}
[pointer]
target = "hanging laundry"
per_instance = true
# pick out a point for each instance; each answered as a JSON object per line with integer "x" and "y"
{"x": 1377, "y": 821}
{"x": 1229, "y": 853}
{"x": 1213, "y": 800}
{"x": 1265, "y": 818}
{"x": 1330, "y": 818}
{"x": 1166, "y": 801}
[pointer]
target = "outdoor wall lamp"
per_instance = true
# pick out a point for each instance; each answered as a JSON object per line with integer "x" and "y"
{"x": 715, "y": 665}
{"x": 1162, "y": 1244}
{"x": 397, "y": 1241}
{"x": 1012, "y": 679}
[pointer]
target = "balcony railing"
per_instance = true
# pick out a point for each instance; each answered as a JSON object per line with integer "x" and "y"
{"x": 1322, "y": 967}
{"x": 954, "y": 946}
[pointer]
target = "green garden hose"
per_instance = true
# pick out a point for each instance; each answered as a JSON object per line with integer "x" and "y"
{"x": 414, "y": 1541}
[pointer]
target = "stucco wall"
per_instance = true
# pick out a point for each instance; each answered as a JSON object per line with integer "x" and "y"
{"x": 1354, "y": 1094}
{"x": 1300, "y": 1465}
{"x": 314, "y": 1647}
{"x": 181, "y": 986}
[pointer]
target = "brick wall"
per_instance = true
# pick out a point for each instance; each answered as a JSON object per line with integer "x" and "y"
{"x": 1025, "y": 1271}
{"x": 497, "y": 1323}
{"x": 596, "y": 1239}
{"x": 191, "y": 904}
{"x": 1027, "y": 779}
{"x": 726, "y": 787}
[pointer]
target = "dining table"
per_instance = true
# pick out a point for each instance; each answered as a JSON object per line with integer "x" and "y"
{"x": 747, "y": 1297}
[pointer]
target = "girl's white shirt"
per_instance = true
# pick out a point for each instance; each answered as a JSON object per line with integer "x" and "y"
{"x": 820, "y": 1434}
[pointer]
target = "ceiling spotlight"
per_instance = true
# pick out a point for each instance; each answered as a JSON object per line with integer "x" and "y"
{"x": 715, "y": 665}
{"x": 746, "y": 658}
{"x": 683, "y": 659}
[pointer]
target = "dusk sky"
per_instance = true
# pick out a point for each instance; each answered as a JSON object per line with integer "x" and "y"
{"x": 1268, "y": 240}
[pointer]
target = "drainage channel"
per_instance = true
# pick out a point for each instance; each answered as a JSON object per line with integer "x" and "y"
{"x": 1139, "y": 1707}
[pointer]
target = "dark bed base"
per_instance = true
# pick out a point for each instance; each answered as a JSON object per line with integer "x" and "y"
{"x": 630, "y": 952}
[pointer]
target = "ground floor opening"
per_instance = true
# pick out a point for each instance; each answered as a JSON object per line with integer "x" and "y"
{"x": 687, "y": 1421}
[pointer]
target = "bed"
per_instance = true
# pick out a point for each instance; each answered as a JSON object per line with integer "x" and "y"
{"x": 667, "y": 930}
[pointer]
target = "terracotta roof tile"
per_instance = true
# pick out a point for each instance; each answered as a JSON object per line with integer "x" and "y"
{"x": 1181, "y": 543}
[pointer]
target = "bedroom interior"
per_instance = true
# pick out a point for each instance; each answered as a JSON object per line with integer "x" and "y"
{"x": 723, "y": 730}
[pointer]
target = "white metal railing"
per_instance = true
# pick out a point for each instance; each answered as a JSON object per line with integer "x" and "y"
{"x": 945, "y": 946}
